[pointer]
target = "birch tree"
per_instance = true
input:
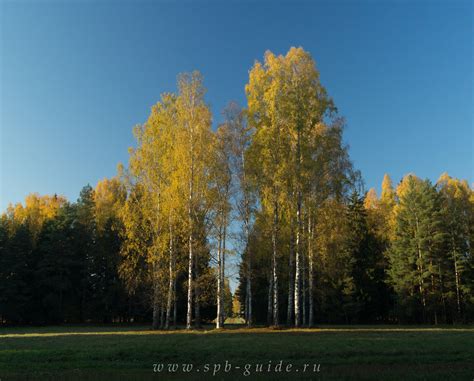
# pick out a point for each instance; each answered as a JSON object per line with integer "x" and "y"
{"x": 149, "y": 167}
{"x": 194, "y": 139}
{"x": 221, "y": 193}
{"x": 306, "y": 105}
{"x": 268, "y": 151}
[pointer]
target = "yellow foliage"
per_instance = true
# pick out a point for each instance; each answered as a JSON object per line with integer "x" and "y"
{"x": 109, "y": 196}
{"x": 371, "y": 200}
{"x": 36, "y": 211}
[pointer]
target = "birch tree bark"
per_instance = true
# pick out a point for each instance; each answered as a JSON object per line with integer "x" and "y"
{"x": 311, "y": 271}
{"x": 274, "y": 265}
{"x": 220, "y": 285}
{"x": 171, "y": 275}
{"x": 291, "y": 281}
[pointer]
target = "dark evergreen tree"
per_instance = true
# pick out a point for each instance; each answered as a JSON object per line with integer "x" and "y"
{"x": 416, "y": 256}
{"x": 60, "y": 270}
{"x": 85, "y": 236}
{"x": 368, "y": 300}
{"x": 15, "y": 273}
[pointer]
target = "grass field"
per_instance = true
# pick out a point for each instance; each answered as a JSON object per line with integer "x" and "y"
{"x": 343, "y": 353}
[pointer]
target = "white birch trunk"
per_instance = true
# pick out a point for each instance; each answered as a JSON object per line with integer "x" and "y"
{"x": 274, "y": 266}
{"x": 291, "y": 282}
{"x": 171, "y": 278}
{"x": 270, "y": 298}
{"x": 219, "y": 279}
{"x": 311, "y": 272}
{"x": 298, "y": 261}
{"x": 223, "y": 274}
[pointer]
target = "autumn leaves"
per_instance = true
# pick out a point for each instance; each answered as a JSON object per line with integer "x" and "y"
{"x": 269, "y": 161}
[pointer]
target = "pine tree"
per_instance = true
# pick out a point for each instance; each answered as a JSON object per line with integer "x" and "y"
{"x": 415, "y": 254}
{"x": 366, "y": 256}
{"x": 15, "y": 272}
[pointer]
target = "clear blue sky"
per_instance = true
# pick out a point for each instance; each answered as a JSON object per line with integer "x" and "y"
{"x": 76, "y": 78}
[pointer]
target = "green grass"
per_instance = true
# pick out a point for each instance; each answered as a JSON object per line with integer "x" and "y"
{"x": 344, "y": 353}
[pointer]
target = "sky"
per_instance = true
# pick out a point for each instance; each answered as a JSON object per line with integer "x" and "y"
{"x": 77, "y": 76}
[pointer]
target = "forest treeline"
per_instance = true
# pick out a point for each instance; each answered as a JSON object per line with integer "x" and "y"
{"x": 273, "y": 185}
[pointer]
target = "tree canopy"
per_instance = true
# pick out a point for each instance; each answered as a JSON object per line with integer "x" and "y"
{"x": 268, "y": 203}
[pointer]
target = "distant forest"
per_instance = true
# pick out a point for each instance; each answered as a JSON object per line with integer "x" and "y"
{"x": 273, "y": 188}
